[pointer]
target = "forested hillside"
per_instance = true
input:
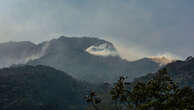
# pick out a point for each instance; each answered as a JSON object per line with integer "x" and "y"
{"x": 39, "y": 88}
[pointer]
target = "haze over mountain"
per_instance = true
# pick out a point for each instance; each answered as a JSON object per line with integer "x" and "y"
{"x": 89, "y": 59}
{"x": 52, "y": 51}
{"x": 149, "y": 27}
{"x": 19, "y": 52}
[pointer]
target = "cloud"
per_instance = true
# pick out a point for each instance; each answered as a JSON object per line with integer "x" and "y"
{"x": 144, "y": 27}
{"x": 102, "y": 50}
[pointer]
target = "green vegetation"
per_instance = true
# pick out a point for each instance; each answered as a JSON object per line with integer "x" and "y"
{"x": 25, "y": 87}
{"x": 159, "y": 93}
{"x": 39, "y": 88}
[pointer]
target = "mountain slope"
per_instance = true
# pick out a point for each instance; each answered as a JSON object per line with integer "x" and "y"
{"x": 38, "y": 88}
{"x": 182, "y": 72}
{"x": 71, "y": 56}
{"x": 91, "y": 59}
{"x": 20, "y": 52}
{"x": 16, "y": 52}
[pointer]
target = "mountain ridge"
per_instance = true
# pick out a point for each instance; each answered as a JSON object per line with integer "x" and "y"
{"x": 181, "y": 71}
{"x": 69, "y": 55}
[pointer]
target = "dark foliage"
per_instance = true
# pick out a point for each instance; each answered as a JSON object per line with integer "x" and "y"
{"x": 39, "y": 88}
{"x": 159, "y": 93}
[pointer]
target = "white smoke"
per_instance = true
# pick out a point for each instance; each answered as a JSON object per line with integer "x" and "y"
{"x": 164, "y": 58}
{"x": 102, "y": 50}
{"x": 7, "y": 61}
{"x": 39, "y": 54}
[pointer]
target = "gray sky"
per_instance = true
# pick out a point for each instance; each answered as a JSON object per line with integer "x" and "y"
{"x": 138, "y": 27}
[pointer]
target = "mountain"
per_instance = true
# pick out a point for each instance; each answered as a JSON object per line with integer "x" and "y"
{"x": 182, "y": 72}
{"x": 91, "y": 59}
{"x": 39, "y": 88}
{"x": 16, "y": 52}
{"x": 20, "y": 52}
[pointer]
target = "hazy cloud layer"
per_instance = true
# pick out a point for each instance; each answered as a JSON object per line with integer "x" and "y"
{"x": 142, "y": 27}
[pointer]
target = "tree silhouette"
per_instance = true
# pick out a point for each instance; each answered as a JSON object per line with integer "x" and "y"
{"x": 93, "y": 99}
{"x": 160, "y": 93}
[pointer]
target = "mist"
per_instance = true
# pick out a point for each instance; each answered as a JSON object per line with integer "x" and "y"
{"x": 23, "y": 53}
{"x": 140, "y": 28}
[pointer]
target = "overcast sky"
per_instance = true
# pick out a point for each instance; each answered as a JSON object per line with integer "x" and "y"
{"x": 142, "y": 27}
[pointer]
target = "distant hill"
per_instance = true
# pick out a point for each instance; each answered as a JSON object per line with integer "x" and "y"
{"x": 91, "y": 59}
{"x": 17, "y": 52}
{"x": 39, "y": 88}
{"x": 182, "y": 72}
{"x": 71, "y": 55}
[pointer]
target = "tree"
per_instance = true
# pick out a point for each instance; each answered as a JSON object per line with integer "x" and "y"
{"x": 93, "y": 100}
{"x": 160, "y": 93}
